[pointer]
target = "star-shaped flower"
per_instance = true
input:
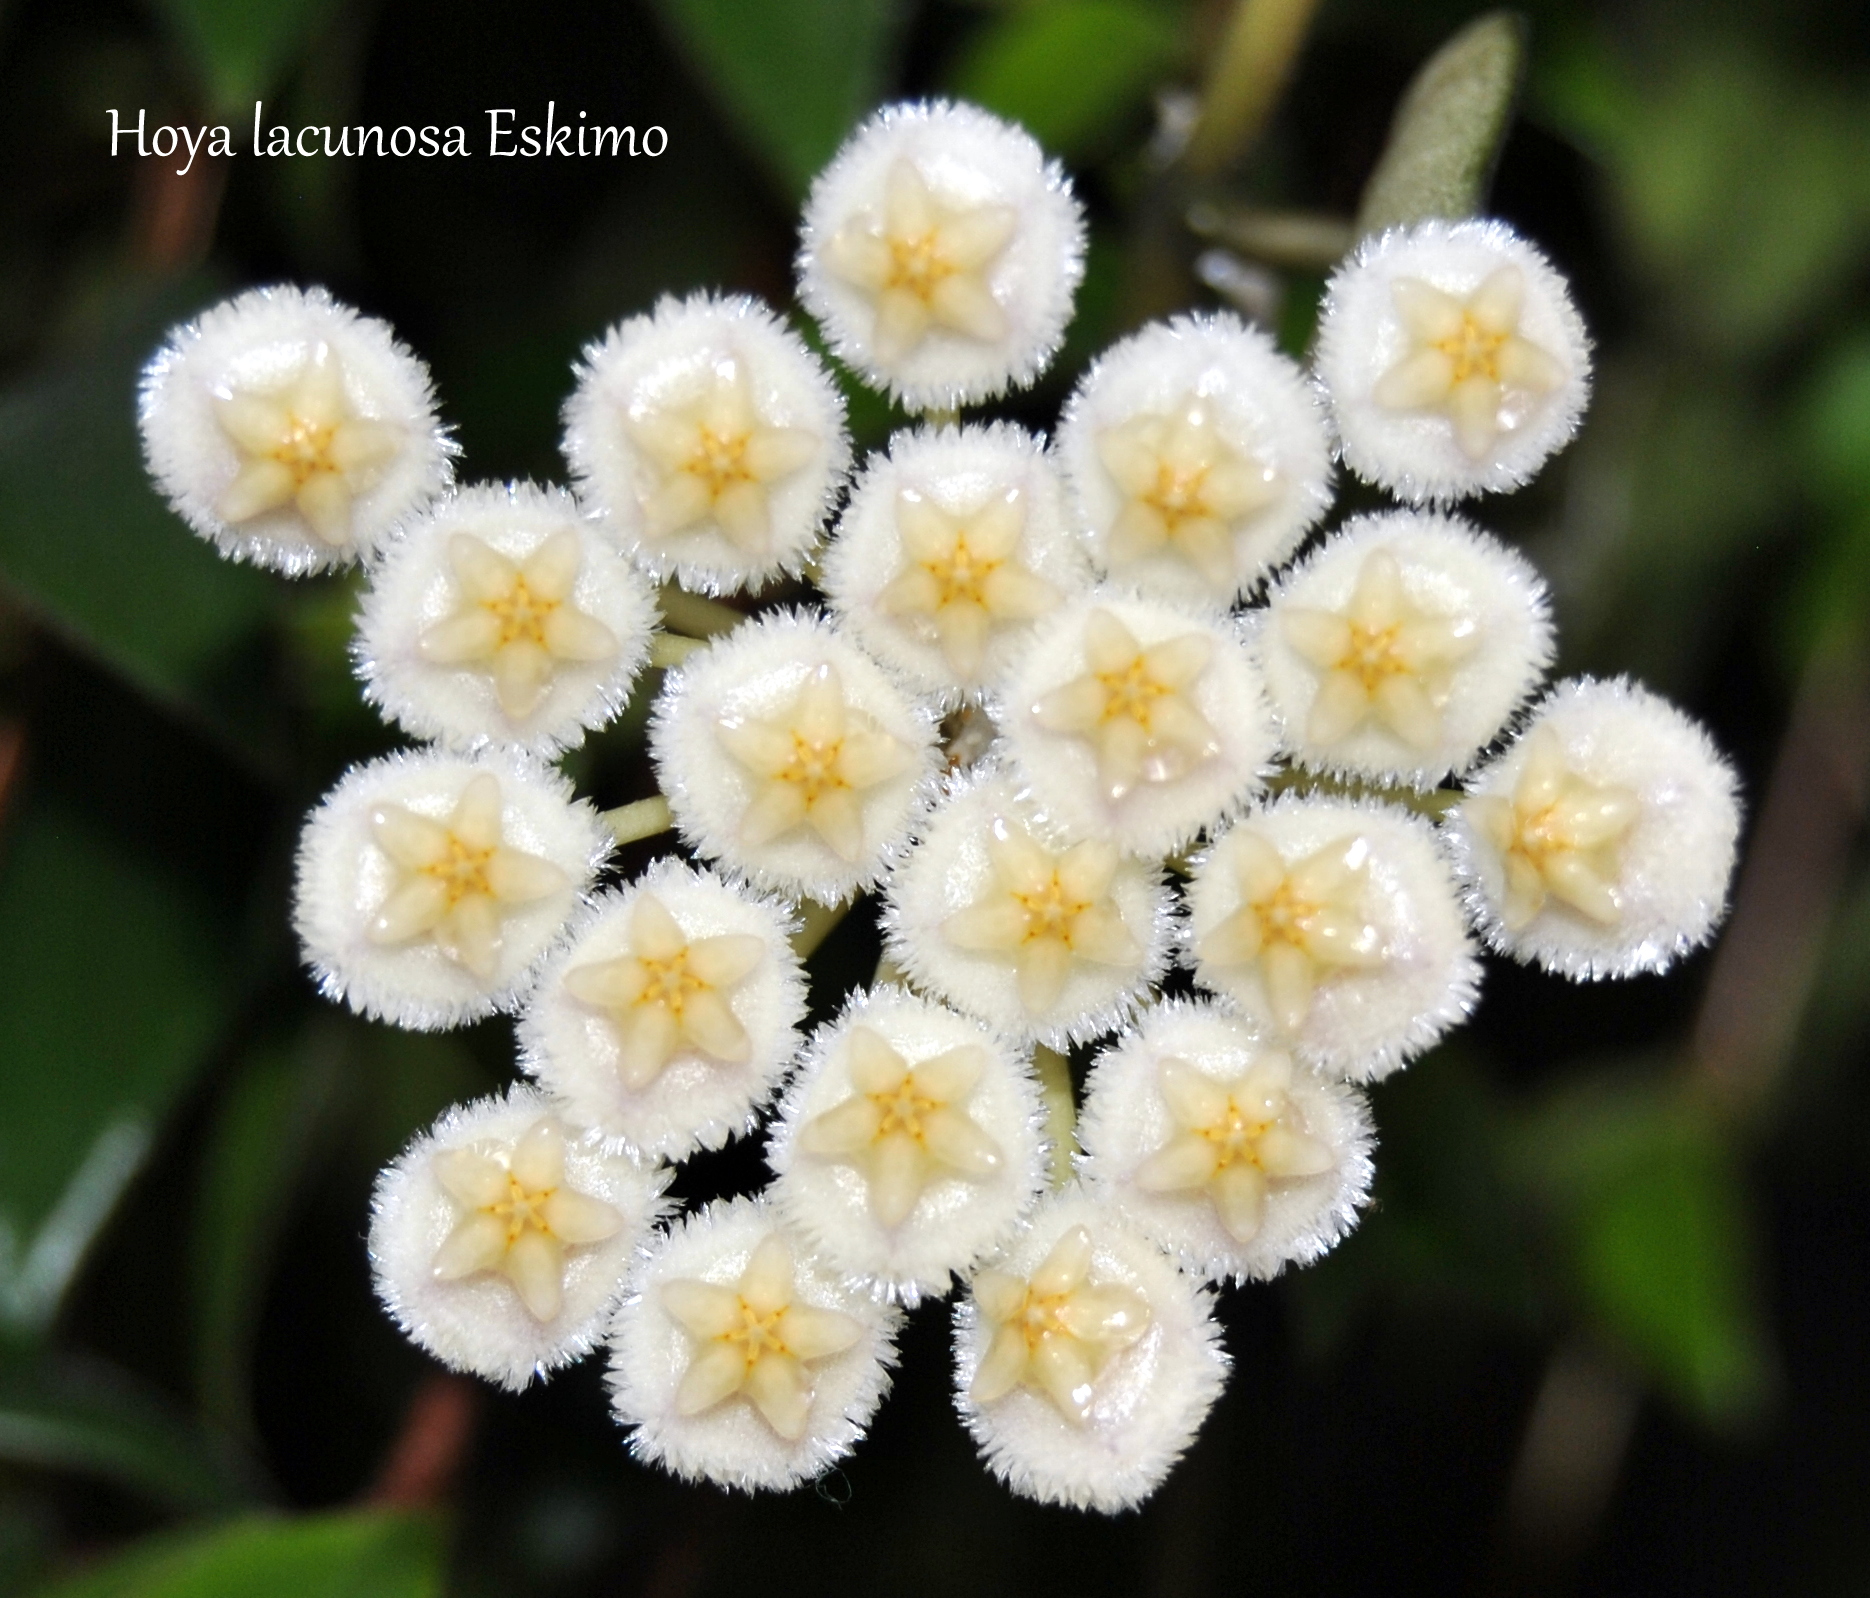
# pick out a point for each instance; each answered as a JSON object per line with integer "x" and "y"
{"x": 1381, "y": 656}
{"x": 1185, "y": 490}
{"x": 515, "y": 619}
{"x": 1234, "y": 1139}
{"x": 715, "y": 458}
{"x": 924, "y": 262}
{"x": 669, "y": 992}
{"x": 303, "y": 445}
{"x": 1301, "y": 921}
{"x": 1559, "y": 835}
{"x": 813, "y": 761}
{"x": 455, "y": 879}
{"x": 756, "y": 1338}
{"x": 1131, "y": 705}
{"x": 961, "y": 576}
{"x": 1465, "y": 356}
{"x": 1046, "y": 910}
{"x": 519, "y": 1217}
{"x": 1056, "y": 1331}
{"x": 905, "y": 1125}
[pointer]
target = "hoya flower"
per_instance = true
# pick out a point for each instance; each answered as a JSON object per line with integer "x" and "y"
{"x": 1402, "y": 647}
{"x": 998, "y": 915}
{"x": 711, "y": 438}
{"x": 1602, "y": 842}
{"x": 290, "y": 431}
{"x": 500, "y": 1238}
{"x": 1336, "y": 927}
{"x": 1085, "y": 1362}
{"x": 941, "y": 250}
{"x": 953, "y": 545}
{"x": 1136, "y": 721}
{"x": 1225, "y": 1150}
{"x": 740, "y": 1359}
{"x": 672, "y": 1012}
{"x": 429, "y": 885}
{"x": 908, "y": 1145}
{"x": 789, "y": 756}
{"x": 1198, "y": 457}
{"x": 1453, "y": 358}
{"x": 503, "y": 615}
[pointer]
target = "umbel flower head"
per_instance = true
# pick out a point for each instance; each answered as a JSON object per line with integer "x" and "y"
{"x": 670, "y": 1015}
{"x": 1136, "y": 721}
{"x": 789, "y": 756}
{"x": 908, "y": 1145}
{"x": 500, "y": 1238}
{"x": 1453, "y": 358}
{"x": 1198, "y": 458}
{"x": 941, "y": 251}
{"x": 290, "y": 431}
{"x": 1085, "y": 1362}
{"x": 1225, "y": 1150}
{"x": 997, "y": 914}
{"x": 429, "y": 885}
{"x": 953, "y": 545}
{"x": 1602, "y": 843}
{"x": 1336, "y": 927}
{"x": 503, "y": 616}
{"x": 1402, "y": 646}
{"x": 739, "y": 1359}
{"x": 712, "y": 440}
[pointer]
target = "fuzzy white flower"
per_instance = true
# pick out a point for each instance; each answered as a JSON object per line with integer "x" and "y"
{"x": 711, "y": 438}
{"x": 429, "y": 885}
{"x": 290, "y": 431}
{"x": 1136, "y": 721}
{"x": 1402, "y": 647}
{"x": 941, "y": 251}
{"x": 1454, "y": 359}
{"x": 1602, "y": 842}
{"x": 1225, "y": 1150}
{"x": 1336, "y": 926}
{"x": 908, "y": 1146}
{"x": 503, "y": 615}
{"x": 1085, "y": 1362}
{"x": 953, "y": 545}
{"x": 788, "y": 755}
{"x": 1198, "y": 456}
{"x": 670, "y": 1016}
{"x": 999, "y": 916}
{"x": 740, "y": 1359}
{"x": 500, "y": 1238}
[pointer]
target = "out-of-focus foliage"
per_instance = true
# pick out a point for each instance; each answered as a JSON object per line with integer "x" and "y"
{"x": 188, "y": 1133}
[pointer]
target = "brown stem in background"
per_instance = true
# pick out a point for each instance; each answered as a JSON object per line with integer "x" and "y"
{"x": 12, "y": 760}
{"x": 426, "y": 1456}
{"x": 173, "y": 217}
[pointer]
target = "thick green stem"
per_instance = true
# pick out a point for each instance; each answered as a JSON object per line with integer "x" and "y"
{"x": 1434, "y": 804}
{"x": 644, "y": 819}
{"x": 815, "y": 923}
{"x": 671, "y": 649}
{"x": 1061, "y": 1110}
{"x": 1250, "y": 73}
{"x": 695, "y": 614}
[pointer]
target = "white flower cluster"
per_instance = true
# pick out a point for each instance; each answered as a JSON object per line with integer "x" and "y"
{"x": 1032, "y": 700}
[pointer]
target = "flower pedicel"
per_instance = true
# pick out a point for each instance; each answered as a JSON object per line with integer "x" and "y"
{"x": 1114, "y": 719}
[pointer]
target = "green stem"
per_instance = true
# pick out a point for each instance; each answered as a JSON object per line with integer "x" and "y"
{"x": 1061, "y": 1110}
{"x": 671, "y": 649}
{"x": 645, "y": 818}
{"x": 1251, "y": 70}
{"x": 695, "y": 614}
{"x": 1434, "y": 804}
{"x": 815, "y": 923}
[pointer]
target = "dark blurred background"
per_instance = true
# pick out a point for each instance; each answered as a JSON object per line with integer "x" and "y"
{"x": 1603, "y": 1329}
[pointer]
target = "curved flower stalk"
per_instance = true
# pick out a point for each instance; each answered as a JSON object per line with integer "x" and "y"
{"x": 500, "y": 1238}
{"x": 1113, "y": 717}
{"x": 908, "y": 1145}
{"x": 503, "y": 616}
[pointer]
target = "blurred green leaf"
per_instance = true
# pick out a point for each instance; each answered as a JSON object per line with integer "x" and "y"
{"x": 1449, "y": 129}
{"x": 256, "y": 1150}
{"x": 67, "y": 1414}
{"x": 353, "y": 1554}
{"x": 239, "y": 50}
{"x": 1653, "y": 1218}
{"x": 1829, "y": 606}
{"x": 116, "y": 985}
{"x": 87, "y": 543}
{"x": 1071, "y": 71}
{"x": 792, "y": 75}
